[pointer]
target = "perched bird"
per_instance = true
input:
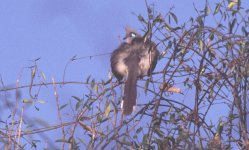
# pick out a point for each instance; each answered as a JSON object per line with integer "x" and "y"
{"x": 134, "y": 58}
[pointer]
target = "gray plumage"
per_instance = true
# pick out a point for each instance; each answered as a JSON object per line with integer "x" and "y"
{"x": 133, "y": 59}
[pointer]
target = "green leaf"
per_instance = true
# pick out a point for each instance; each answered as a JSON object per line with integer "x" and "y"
{"x": 115, "y": 107}
{"x": 123, "y": 140}
{"x": 231, "y": 25}
{"x": 103, "y": 120}
{"x": 244, "y": 31}
{"x": 139, "y": 130}
{"x": 41, "y": 101}
{"x": 220, "y": 127}
{"x": 141, "y": 18}
{"x": 62, "y": 140}
{"x": 201, "y": 45}
{"x": 27, "y": 101}
{"x": 159, "y": 19}
{"x": 174, "y": 17}
{"x": 88, "y": 78}
{"x": 107, "y": 82}
{"x": 207, "y": 10}
{"x": 231, "y": 4}
{"x": 146, "y": 85}
{"x": 81, "y": 141}
{"x": 96, "y": 87}
{"x": 63, "y": 106}
{"x": 202, "y": 70}
{"x": 149, "y": 10}
{"x": 211, "y": 36}
{"x": 200, "y": 21}
{"x": 162, "y": 55}
{"x": 78, "y": 104}
{"x": 43, "y": 75}
{"x": 168, "y": 27}
{"x": 92, "y": 83}
{"x": 217, "y": 8}
{"x": 33, "y": 72}
{"x": 107, "y": 109}
{"x": 37, "y": 108}
{"x": 233, "y": 116}
{"x": 145, "y": 139}
{"x": 76, "y": 98}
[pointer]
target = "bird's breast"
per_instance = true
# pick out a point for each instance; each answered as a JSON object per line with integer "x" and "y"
{"x": 120, "y": 66}
{"x": 144, "y": 64}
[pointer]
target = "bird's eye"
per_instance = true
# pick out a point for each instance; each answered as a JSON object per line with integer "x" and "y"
{"x": 133, "y": 34}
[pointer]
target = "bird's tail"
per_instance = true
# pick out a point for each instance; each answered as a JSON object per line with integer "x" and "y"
{"x": 130, "y": 91}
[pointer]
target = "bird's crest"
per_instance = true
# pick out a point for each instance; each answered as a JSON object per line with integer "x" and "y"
{"x": 130, "y": 34}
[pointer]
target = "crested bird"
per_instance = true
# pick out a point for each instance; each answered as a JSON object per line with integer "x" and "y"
{"x": 134, "y": 58}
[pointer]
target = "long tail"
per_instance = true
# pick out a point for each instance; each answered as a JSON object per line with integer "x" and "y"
{"x": 130, "y": 91}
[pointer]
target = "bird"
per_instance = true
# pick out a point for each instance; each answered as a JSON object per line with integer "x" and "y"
{"x": 134, "y": 58}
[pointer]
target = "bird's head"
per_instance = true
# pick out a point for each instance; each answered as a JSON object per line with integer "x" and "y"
{"x": 130, "y": 34}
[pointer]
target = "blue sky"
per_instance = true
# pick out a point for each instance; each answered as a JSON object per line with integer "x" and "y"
{"x": 56, "y": 30}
